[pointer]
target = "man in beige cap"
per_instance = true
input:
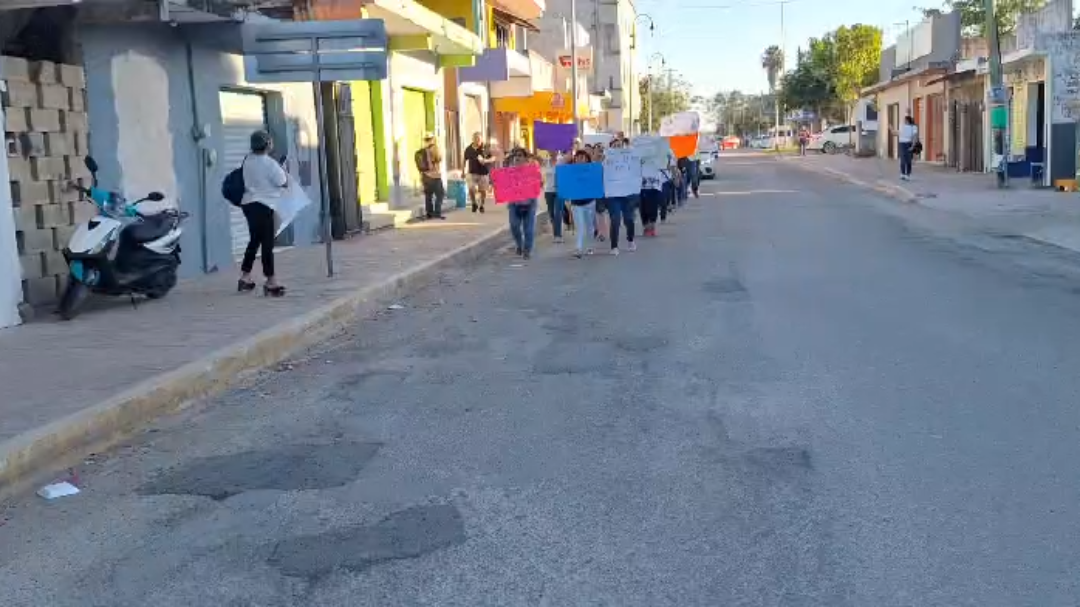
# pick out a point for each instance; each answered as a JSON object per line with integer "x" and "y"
{"x": 429, "y": 163}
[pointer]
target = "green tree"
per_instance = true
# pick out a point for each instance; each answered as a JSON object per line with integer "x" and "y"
{"x": 669, "y": 96}
{"x": 772, "y": 61}
{"x": 858, "y": 57}
{"x": 973, "y": 14}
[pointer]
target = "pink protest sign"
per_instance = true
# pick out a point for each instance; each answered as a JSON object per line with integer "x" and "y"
{"x": 517, "y": 184}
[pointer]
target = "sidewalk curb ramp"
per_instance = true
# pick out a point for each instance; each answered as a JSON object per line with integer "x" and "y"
{"x": 31, "y": 456}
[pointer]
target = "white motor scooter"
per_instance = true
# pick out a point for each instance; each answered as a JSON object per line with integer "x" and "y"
{"x": 121, "y": 251}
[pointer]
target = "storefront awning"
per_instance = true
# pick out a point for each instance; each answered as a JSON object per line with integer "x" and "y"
{"x": 542, "y": 105}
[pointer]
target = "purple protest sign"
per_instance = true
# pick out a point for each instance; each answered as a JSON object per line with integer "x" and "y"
{"x": 554, "y": 137}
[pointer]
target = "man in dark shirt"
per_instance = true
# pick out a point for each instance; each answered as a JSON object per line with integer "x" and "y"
{"x": 477, "y": 159}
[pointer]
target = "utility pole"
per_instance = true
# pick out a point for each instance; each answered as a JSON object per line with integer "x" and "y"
{"x": 999, "y": 115}
{"x": 776, "y": 90}
{"x": 573, "y": 66}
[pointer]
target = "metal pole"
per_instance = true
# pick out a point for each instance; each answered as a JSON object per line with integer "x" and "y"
{"x": 650, "y": 99}
{"x": 573, "y": 65}
{"x": 999, "y": 117}
{"x": 776, "y": 89}
{"x": 324, "y": 194}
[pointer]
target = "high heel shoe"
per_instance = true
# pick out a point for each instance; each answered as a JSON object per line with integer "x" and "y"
{"x": 274, "y": 291}
{"x": 244, "y": 286}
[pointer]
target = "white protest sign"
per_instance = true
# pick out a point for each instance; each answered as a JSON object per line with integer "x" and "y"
{"x": 683, "y": 123}
{"x": 653, "y": 150}
{"x": 622, "y": 172}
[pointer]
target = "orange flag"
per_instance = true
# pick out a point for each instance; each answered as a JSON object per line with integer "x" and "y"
{"x": 684, "y": 146}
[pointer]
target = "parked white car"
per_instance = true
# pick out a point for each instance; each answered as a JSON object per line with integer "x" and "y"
{"x": 832, "y": 139}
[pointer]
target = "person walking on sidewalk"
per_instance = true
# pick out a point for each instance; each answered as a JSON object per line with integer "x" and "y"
{"x": 804, "y": 140}
{"x": 429, "y": 163}
{"x": 522, "y": 213}
{"x": 908, "y": 139}
{"x": 621, "y": 210}
{"x": 584, "y": 213}
{"x": 477, "y": 172}
{"x": 265, "y": 182}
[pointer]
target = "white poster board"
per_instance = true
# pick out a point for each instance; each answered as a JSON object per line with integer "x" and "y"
{"x": 683, "y": 123}
{"x": 622, "y": 172}
{"x": 654, "y": 151}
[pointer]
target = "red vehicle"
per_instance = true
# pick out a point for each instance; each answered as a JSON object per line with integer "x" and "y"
{"x": 731, "y": 142}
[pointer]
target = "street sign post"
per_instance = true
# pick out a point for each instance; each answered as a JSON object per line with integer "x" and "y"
{"x": 316, "y": 52}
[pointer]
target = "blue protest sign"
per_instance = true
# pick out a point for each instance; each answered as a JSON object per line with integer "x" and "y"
{"x": 580, "y": 181}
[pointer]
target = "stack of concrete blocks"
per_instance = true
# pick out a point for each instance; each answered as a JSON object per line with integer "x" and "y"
{"x": 46, "y": 140}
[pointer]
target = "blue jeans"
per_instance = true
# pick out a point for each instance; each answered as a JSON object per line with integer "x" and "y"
{"x": 584, "y": 222}
{"x": 668, "y": 195}
{"x": 905, "y": 158}
{"x": 523, "y": 224}
{"x": 621, "y": 210}
{"x": 683, "y": 189}
{"x": 555, "y": 212}
{"x": 693, "y": 173}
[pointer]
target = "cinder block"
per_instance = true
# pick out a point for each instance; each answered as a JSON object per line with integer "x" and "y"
{"x": 53, "y": 263}
{"x": 53, "y": 96}
{"x": 31, "y": 265}
{"x": 14, "y": 69}
{"x": 53, "y": 215}
{"x": 29, "y": 193}
{"x": 20, "y": 95}
{"x": 58, "y": 144}
{"x": 44, "y": 72}
{"x": 73, "y": 76}
{"x": 25, "y": 217}
{"x": 61, "y": 192}
{"x": 76, "y": 168}
{"x": 32, "y": 239}
{"x": 77, "y": 99}
{"x": 16, "y": 121}
{"x": 19, "y": 169}
{"x": 43, "y": 121}
{"x": 72, "y": 122}
{"x": 82, "y": 143}
{"x": 29, "y": 144}
{"x": 61, "y": 236}
{"x": 38, "y": 291}
{"x": 81, "y": 212}
{"x": 48, "y": 168}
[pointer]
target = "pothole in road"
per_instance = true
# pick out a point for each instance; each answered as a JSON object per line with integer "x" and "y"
{"x": 288, "y": 468}
{"x": 405, "y": 534}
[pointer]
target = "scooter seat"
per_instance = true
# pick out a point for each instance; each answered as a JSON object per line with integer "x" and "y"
{"x": 150, "y": 228}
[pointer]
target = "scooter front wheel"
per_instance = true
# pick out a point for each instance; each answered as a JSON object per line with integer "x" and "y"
{"x": 75, "y": 295}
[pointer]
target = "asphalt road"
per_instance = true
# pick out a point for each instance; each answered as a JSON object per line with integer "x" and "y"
{"x": 796, "y": 395}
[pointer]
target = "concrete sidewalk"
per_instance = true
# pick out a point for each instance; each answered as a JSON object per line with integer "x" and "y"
{"x": 1041, "y": 214}
{"x": 71, "y": 388}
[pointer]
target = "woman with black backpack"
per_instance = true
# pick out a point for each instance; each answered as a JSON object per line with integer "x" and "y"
{"x": 265, "y": 182}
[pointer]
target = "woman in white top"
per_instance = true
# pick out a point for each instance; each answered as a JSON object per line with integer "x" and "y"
{"x": 907, "y": 137}
{"x": 264, "y": 182}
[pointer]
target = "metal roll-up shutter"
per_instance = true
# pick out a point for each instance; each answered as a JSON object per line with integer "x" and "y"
{"x": 241, "y": 115}
{"x": 474, "y": 118}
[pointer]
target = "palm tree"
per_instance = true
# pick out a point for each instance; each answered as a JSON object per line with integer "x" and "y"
{"x": 772, "y": 61}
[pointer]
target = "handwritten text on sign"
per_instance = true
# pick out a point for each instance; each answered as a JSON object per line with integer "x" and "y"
{"x": 622, "y": 172}
{"x": 580, "y": 181}
{"x": 654, "y": 151}
{"x": 517, "y": 184}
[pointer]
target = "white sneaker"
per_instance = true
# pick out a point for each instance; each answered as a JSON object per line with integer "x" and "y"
{"x": 632, "y": 246}
{"x": 614, "y": 252}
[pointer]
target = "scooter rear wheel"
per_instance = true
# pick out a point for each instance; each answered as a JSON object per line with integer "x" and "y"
{"x": 75, "y": 295}
{"x": 162, "y": 288}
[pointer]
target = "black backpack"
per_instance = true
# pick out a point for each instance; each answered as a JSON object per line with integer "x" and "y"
{"x": 233, "y": 187}
{"x": 423, "y": 163}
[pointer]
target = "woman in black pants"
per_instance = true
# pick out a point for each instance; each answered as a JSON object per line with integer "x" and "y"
{"x": 265, "y": 182}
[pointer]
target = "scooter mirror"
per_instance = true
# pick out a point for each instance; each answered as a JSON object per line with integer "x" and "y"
{"x": 91, "y": 164}
{"x": 156, "y": 196}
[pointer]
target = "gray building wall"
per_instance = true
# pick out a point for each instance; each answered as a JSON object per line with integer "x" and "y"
{"x": 142, "y": 109}
{"x": 945, "y": 41}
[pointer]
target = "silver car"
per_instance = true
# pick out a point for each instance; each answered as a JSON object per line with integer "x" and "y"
{"x": 708, "y": 165}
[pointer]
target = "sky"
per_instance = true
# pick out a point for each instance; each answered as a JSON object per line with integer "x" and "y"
{"x": 717, "y": 44}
